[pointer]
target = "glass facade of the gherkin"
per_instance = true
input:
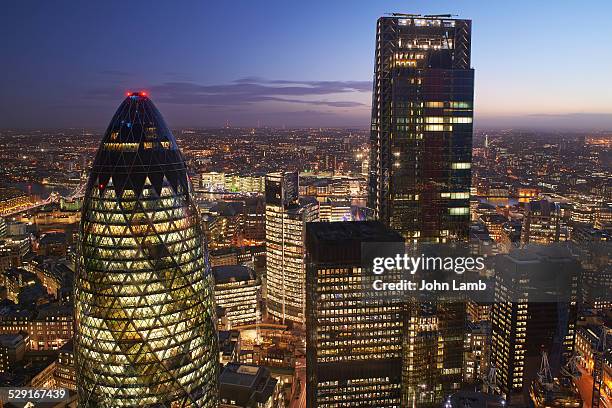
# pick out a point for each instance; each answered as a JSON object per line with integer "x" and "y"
{"x": 145, "y": 320}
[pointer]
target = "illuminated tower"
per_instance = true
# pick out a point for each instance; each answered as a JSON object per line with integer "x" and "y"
{"x": 354, "y": 335}
{"x": 421, "y": 133}
{"x": 144, "y": 303}
{"x": 286, "y": 220}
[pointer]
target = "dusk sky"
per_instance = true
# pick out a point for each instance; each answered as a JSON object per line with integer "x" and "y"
{"x": 307, "y": 63}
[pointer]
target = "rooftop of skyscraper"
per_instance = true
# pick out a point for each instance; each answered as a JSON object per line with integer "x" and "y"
{"x": 372, "y": 231}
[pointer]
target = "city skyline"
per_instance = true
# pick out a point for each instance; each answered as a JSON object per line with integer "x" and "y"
{"x": 264, "y": 70}
{"x": 249, "y": 248}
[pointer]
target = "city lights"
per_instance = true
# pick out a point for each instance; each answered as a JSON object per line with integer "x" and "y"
{"x": 341, "y": 206}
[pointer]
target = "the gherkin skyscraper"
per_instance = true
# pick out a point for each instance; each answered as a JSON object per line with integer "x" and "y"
{"x": 144, "y": 304}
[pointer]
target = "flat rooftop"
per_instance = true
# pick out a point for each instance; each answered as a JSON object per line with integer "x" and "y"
{"x": 232, "y": 273}
{"x": 363, "y": 231}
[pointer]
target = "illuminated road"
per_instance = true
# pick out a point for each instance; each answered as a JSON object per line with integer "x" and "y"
{"x": 300, "y": 372}
{"x": 585, "y": 387}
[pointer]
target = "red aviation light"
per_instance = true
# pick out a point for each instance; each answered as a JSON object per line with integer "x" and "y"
{"x": 142, "y": 94}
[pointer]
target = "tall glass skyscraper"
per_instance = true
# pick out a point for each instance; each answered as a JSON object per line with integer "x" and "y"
{"x": 144, "y": 304}
{"x": 420, "y": 174}
{"x": 286, "y": 219}
{"x": 421, "y": 135}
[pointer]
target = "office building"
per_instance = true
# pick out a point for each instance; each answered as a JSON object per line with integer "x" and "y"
{"x": 534, "y": 311}
{"x": 474, "y": 399}
{"x": 145, "y": 321}
{"x": 354, "y": 338}
{"x": 13, "y": 250}
{"x": 433, "y": 349}
{"x": 254, "y": 222}
{"x": 248, "y": 386}
{"x": 475, "y": 362}
{"x": 544, "y": 223}
{"x": 421, "y": 128}
{"x": 229, "y": 346}
{"x": 335, "y": 211}
{"x": 286, "y": 218}
{"x": 237, "y": 293}
{"x": 12, "y": 350}
{"x": 52, "y": 327}
{"x": 65, "y": 373}
{"x": 495, "y": 225}
{"x": 14, "y": 280}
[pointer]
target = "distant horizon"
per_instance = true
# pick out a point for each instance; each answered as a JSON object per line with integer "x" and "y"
{"x": 298, "y": 65}
{"x": 477, "y": 128}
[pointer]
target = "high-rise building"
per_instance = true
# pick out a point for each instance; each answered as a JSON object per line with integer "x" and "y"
{"x": 534, "y": 311}
{"x": 354, "y": 338}
{"x": 476, "y": 352}
{"x": 433, "y": 349}
{"x": 237, "y": 293}
{"x": 254, "y": 221}
{"x": 286, "y": 218}
{"x": 544, "y": 222}
{"x": 421, "y": 130}
{"x": 145, "y": 321}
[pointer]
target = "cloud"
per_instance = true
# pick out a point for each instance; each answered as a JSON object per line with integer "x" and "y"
{"x": 252, "y": 90}
{"x": 342, "y": 86}
{"x": 336, "y": 104}
{"x": 247, "y": 100}
{"x": 248, "y": 91}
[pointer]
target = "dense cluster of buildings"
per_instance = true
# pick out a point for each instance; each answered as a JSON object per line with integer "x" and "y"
{"x": 232, "y": 272}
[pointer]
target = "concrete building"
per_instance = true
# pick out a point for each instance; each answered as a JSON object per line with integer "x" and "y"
{"x": 248, "y": 386}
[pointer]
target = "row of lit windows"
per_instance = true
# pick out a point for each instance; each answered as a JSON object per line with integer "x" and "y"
{"x": 448, "y": 104}
{"x": 461, "y": 165}
{"x": 132, "y": 147}
{"x": 459, "y": 210}
{"x": 456, "y": 196}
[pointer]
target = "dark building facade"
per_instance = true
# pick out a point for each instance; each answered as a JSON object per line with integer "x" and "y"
{"x": 433, "y": 350}
{"x": 421, "y": 134}
{"x": 534, "y": 311}
{"x": 145, "y": 323}
{"x": 248, "y": 386}
{"x": 354, "y": 343}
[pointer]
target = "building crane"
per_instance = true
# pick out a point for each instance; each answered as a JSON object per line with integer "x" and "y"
{"x": 545, "y": 375}
{"x": 570, "y": 369}
{"x": 489, "y": 381}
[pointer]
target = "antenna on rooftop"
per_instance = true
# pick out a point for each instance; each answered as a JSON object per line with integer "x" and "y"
{"x": 440, "y": 15}
{"x": 403, "y": 15}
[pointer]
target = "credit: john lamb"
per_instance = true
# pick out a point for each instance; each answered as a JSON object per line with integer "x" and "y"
{"x": 429, "y": 286}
